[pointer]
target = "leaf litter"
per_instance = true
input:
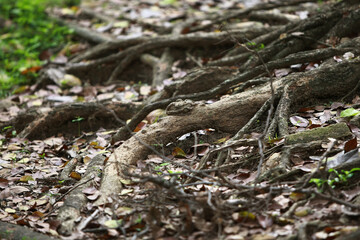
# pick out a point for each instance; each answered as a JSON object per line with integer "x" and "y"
{"x": 158, "y": 194}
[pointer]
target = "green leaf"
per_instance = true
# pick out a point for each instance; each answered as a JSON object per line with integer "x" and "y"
{"x": 333, "y": 170}
{"x": 350, "y": 112}
{"x": 261, "y": 46}
{"x": 314, "y": 180}
{"x": 6, "y": 128}
{"x": 138, "y": 220}
{"x": 251, "y": 44}
{"x": 78, "y": 119}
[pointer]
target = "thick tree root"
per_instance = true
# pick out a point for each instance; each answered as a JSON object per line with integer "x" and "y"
{"x": 301, "y": 57}
{"x": 228, "y": 114}
{"x": 59, "y": 119}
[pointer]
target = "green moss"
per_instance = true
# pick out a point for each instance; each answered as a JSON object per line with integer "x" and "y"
{"x": 338, "y": 131}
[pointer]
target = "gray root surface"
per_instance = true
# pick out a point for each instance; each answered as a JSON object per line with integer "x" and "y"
{"x": 76, "y": 199}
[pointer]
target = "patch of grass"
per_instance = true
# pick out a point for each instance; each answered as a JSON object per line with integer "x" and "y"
{"x": 25, "y": 33}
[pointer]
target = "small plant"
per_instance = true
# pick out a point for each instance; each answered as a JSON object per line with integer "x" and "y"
{"x": 271, "y": 140}
{"x": 157, "y": 145}
{"x": 174, "y": 172}
{"x": 257, "y": 47}
{"x": 13, "y": 133}
{"x": 341, "y": 178}
{"x": 23, "y": 150}
{"x": 138, "y": 220}
{"x": 78, "y": 120}
{"x": 158, "y": 168}
{"x": 319, "y": 182}
{"x": 6, "y": 128}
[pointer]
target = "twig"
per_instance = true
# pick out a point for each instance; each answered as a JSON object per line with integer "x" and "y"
{"x": 209, "y": 201}
{"x": 86, "y": 221}
{"x": 332, "y": 143}
{"x": 192, "y": 58}
{"x": 331, "y": 198}
{"x": 293, "y": 207}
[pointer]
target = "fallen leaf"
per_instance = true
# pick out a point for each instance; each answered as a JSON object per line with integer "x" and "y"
{"x": 10, "y": 210}
{"x": 18, "y": 189}
{"x": 75, "y": 175}
{"x": 112, "y": 223}
{"x": 155, "y": 115}
{"x": 178, "y": 152}
{"x": 70, "y": 81}
{"x": 296, "y": 196}
{"x": 89, "y": 190}
{"x": 26, "y": 178}
{"x": 222, "y": 140}
{"x": 243, "y": 216}
{"x": 140, "y": 126}
{"x": 41, "y": 201}
{"x": 31, "y": 70}
{"x": 350, "y": 145}
{"x": 299, "y": 121}
{"x": 126, "y": 191}
{"x": 38, "y": 214}
{"x": 264, "y": 221}
{"x": 302, "y": 211}
{"x": 13, "y": 147}
{"x": 336, "y": 105}
{"x": 145, "y": 90}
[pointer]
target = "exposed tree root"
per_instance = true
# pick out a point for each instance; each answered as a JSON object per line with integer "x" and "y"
{"x": 196, "y": 81}
{"x": 295, "y": 58}
{"x": 228, "y": 114}
{"x": 161, "y": 66}
{"x": 246, "y": 75}
{"x": 59, "y": 119}
{"x": 76, "y": 199}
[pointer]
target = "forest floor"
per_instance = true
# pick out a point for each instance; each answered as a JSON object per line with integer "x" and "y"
{"x": 222, "y": 165}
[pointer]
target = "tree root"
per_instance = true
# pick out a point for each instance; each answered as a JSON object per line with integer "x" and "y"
{"x": 161, "y": 66}
{"x": 76, "y": 200}
{"x": 226, "y": 115}
{"x": 282, "y": 47}
{"x": 295, "y": 58}
{"x": 59, "y": 119}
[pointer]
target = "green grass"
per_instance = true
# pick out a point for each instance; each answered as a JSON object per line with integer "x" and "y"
{"x": 26, "y": 32}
